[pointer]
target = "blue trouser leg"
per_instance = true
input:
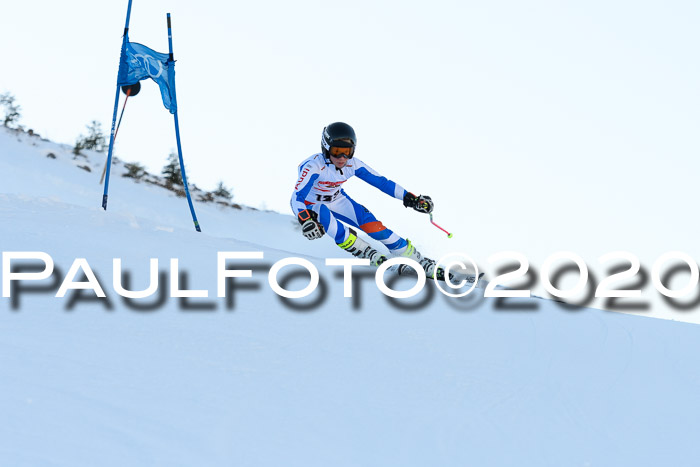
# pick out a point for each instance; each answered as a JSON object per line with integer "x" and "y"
{"x": 356, "y": 215}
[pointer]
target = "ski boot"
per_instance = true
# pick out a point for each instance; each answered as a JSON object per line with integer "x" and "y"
{"x": 431, "y": 269}
{"x": 361, "y": 249}
{"x": 428, "y": 265}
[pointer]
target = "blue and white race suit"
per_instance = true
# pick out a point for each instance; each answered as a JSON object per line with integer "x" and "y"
{"x": 319, "y": 188}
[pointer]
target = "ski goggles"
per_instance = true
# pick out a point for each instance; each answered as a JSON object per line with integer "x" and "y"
{"x": 341, "y": 152}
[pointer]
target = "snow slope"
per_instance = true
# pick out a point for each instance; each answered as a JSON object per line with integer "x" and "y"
{"x": 250, "y": 380}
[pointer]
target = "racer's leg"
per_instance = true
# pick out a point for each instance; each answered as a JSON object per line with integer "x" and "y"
{"x": 352, "y": 212}
{"x": 344, "y": 237}
{"x": 355, "y": 214}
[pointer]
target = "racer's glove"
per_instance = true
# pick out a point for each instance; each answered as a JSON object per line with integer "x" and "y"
{"x": 310, "y": 226}
{"x": 420, "y": 203}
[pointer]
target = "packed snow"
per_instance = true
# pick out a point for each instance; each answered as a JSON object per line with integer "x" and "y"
{"x": 251, "y": 379}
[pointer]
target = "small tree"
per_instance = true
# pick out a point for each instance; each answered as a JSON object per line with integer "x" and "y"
{"x": 223, "y": 192}
{"x": 11, "y": 109}
{"x": 171, "y": 171}
{"x": 134, "y": 170}
{"x": 94, "y": 140}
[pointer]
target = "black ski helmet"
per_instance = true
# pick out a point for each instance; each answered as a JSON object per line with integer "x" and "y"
{"x": 340, "y": 135}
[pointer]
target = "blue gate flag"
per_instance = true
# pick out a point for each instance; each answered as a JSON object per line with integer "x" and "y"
{"x": 139, "y": 62}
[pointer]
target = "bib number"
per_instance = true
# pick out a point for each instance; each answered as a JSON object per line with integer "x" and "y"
{"x": 328, "y": 198}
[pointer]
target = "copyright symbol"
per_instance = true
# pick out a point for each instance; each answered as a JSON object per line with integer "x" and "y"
{"x": 471, "y": 274}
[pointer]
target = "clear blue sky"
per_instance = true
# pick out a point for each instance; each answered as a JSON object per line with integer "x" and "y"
{"x": 505, "y": 112}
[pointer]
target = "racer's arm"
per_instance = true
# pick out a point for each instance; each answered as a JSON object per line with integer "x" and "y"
{"x": 310, "y": 225}
{"x": 420, "y": 203}
{"x": 308, "y": 173}
{"x": 366, "y": 173}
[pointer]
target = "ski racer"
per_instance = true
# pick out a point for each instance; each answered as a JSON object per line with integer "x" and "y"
{"x": 322, "y": 206}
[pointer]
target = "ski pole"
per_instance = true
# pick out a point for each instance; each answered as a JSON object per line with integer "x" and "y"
{"x": 449, "y": 235}
{"x": 104, "y": 170}
{"x": 128, "y": 93}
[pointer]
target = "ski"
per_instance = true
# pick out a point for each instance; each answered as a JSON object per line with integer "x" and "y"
{"x": 405, "y": 270}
